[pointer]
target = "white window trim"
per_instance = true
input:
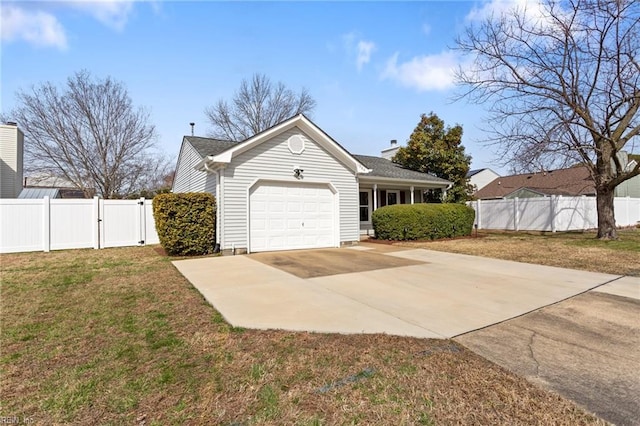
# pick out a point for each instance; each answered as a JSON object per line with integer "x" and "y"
{"x": 369, "y": 206}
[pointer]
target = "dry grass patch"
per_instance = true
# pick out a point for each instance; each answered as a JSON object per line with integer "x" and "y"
{"x": 118, "y": 336}
{"x": 579, "y": 250}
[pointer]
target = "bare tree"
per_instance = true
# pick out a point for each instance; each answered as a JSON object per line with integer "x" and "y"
{"x": 89, "y": 133}
{"x": 256, "y": 106}
{"x": 561, "y": 82}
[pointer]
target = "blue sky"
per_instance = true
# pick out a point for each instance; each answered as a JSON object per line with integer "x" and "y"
{"x": 373, "y": 67}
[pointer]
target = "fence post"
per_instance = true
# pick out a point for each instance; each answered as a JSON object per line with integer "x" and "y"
{"x": 142, "y": 222}
{"x": 552, "y": 212}
{"x": 46, "y": 223}
{"x": 96, "y": 223}
{"x": 479, "y": 213}
{"x": 516, "y": 215}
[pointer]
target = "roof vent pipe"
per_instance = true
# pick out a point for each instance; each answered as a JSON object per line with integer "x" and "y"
{"x": 192, "y": 124}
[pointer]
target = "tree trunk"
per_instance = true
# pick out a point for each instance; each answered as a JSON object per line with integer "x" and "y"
{"x": 606, "y": 217}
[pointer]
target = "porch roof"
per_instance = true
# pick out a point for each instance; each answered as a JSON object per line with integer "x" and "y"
{"x": 383, "y": 170}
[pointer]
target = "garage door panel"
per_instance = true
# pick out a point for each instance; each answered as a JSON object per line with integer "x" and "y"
{"x": 291, "y": 216}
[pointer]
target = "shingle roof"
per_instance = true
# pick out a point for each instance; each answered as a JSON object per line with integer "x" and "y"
{"x": 209, "y": 146}
{"x": 574, "y": 181}
{"x": 381, "y": 167}
{"x": 474, "y": 172}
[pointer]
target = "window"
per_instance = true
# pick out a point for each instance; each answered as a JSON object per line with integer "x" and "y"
{"x": 364, "y": 206}
{"x": 393, "y": 197}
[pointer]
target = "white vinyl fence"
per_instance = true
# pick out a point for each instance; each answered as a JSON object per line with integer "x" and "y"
{"x": 555, "y": 213}
{"x": 56, "y": 224}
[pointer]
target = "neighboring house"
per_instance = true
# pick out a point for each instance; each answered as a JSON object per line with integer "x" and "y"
{"x": 630, "y": 187}
{"x": 13, "y": 183}
{"x": 11, "y": 154}
{"x": 38, "y": 192}
{"x": 574, "y": 181}
{"x": 293, "y": 187}
{"x": 42, "y": 184}
{"x": 480, "y": 178}
{"x": 571, "y": 182}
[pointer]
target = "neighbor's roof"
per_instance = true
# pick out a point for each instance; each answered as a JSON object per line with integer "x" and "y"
{"x": 474, "y": 172}
{"x": 209, "y": 146}
{"x": 574, "y": 181}
{"x": 36, "y": 192}
{"x": 381, "y": 167}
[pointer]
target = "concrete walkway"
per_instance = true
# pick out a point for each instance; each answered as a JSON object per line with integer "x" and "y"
{"x": 441, "y": 296}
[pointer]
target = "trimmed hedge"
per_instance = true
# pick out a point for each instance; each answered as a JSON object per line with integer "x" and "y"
{"x": 422, "y": 221}
{"x": 186, "y": 223}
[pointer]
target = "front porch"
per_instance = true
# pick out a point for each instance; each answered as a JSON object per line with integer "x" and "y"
{"x": 375, "y": 195}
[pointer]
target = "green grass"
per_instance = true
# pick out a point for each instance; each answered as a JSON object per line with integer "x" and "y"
{"x": 118, "y": 337}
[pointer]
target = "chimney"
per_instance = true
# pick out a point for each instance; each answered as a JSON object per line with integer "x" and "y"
{"x": 192, "y": 124}
{"x": 388, "y": 153}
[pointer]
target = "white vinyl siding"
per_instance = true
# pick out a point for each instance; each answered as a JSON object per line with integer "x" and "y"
{"x": 11, "y": 150}
{"x": 272, "y": 160}
{"x": 189, "y": 180}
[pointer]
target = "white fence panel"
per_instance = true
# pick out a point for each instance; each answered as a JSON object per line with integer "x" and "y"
{"x": 575, "y": 213}
{"x": 534, "y": 214}
{"x": 498, "y": 215}
{"x": 554, "y": 213}
{"x": 120, "y": 223}
{"x": 72, "y": 224}
{"x": 150, "y": 224}
{"x": 21, "y": 225}
{"x": 34, "y": 225}
{"x": 627, "y": 211}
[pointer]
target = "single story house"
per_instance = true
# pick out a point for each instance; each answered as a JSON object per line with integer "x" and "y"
{"x": 572, "y": 182}
{"x": 293, "y": 187}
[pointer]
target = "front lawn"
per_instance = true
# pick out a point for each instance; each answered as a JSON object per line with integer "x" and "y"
{"x": 576, "y": 250}
{"x": 118, "y": 336}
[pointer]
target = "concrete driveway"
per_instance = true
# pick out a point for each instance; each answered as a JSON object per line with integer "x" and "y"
{"x": 575, "y": 333}
{"x": 372, "y": 289}
{"x": 586, "y": 348}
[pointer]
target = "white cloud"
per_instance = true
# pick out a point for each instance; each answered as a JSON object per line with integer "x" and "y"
{"x": 533, "y": 10}
{"x": 365, "y": 49}
{"x": 358, "y": 48}
{"x": 36, "y": 27}
{"x": 427, "y": 72}
{"x": 112, "y": 13}
{"x": 36, "y": 23}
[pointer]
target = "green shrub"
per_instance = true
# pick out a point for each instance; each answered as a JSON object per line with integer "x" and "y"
{"x": 186, "y": 223}
{"x": 422, "y": 221}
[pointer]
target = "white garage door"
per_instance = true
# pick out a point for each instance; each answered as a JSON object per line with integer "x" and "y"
{"x": 287, "y": 216}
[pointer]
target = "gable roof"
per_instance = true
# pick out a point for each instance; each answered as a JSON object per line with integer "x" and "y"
{"x": 383, "y": 168}
{"x": 474, "y": 172}
{"x": 209, "y": 146}
{"x": 300, "y": 121}
{"x": 216, "y": 152}
{"x": 574, "y": 181}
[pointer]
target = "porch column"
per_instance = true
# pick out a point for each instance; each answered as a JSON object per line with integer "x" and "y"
{"x": 412, "y": 194}
{"x": 375, "y": 196}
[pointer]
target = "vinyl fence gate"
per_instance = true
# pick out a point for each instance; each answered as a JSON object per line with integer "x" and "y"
{"x": 56, "y": 224}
